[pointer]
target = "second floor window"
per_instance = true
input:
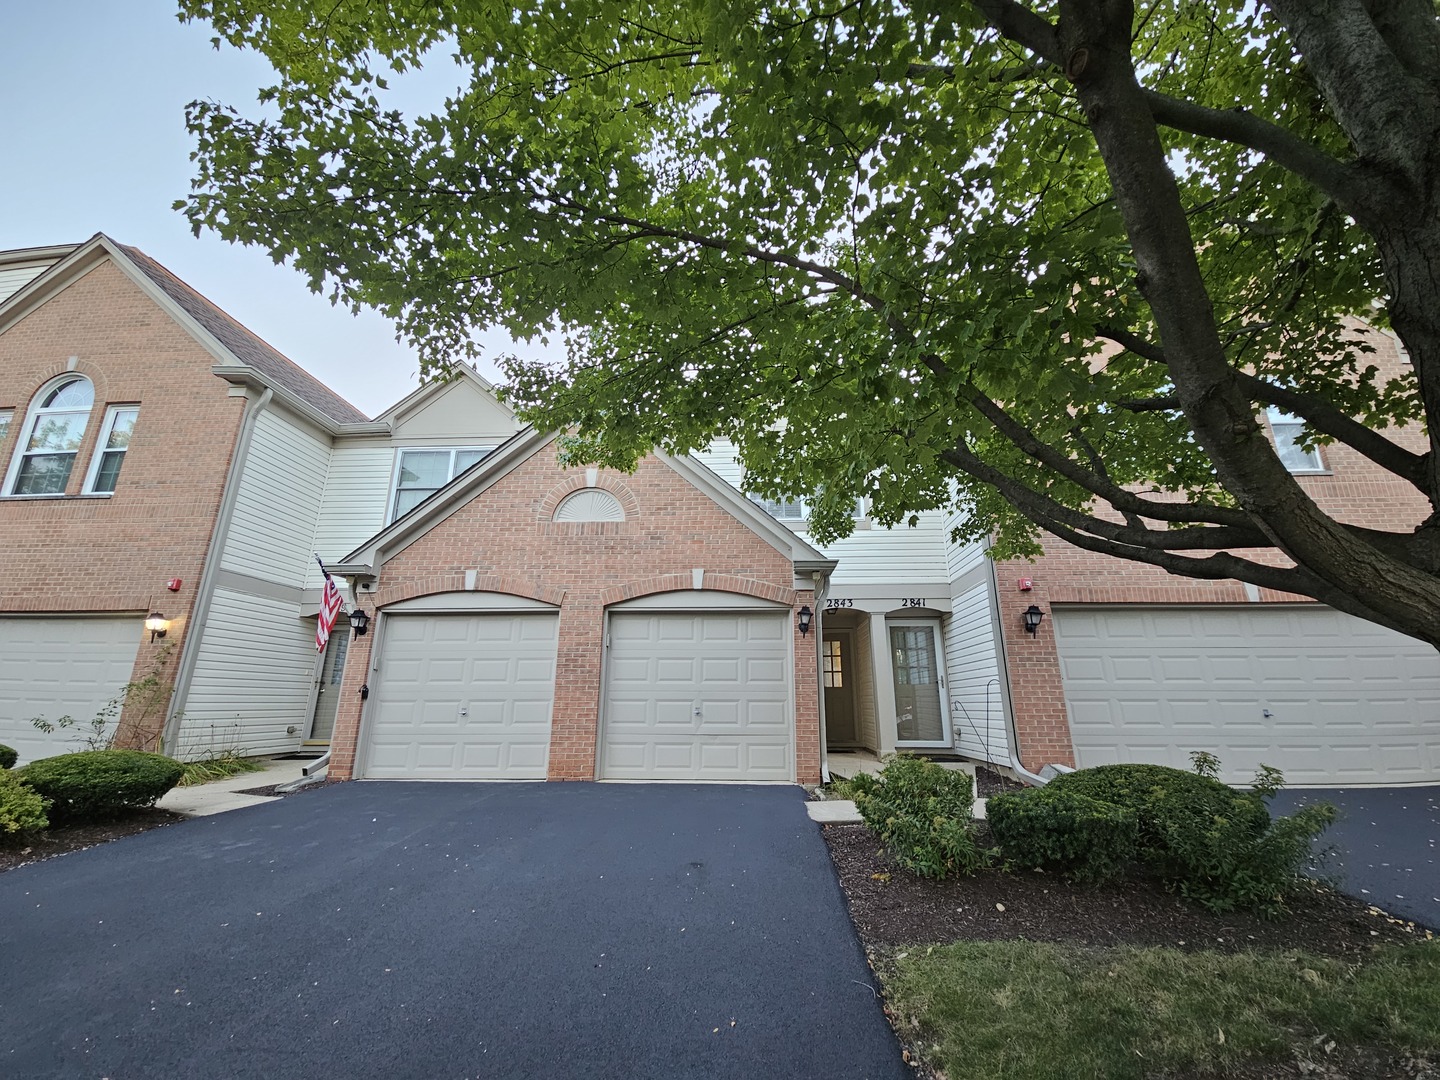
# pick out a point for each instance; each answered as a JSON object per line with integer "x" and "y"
{"x": 421, "y": 473}
{"x": 1289, "y": 432}
{"x": 52, "y": 437}
{"x": 110, "y": 450}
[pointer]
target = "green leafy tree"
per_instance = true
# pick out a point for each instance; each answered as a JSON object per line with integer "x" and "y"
{"x": 1047, "y": 260}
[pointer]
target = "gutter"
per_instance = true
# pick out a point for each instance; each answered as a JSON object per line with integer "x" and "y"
{"x": 205, "y": 589}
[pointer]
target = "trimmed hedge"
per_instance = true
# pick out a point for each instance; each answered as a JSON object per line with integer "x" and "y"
{"x": 1085, "y": 838}
{"x": 21, "y": 809}
{"x": 1212, "y": 843}
{"x": 923, "y": 814}
{"x": 8, "y": 757}
{"x": 97, "y": 784}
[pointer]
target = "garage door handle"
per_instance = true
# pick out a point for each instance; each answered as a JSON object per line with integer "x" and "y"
{"x": 1266, "y": 713}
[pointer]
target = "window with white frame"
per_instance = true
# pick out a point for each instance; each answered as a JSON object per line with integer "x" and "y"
{"x": 1289, "y": 434}
{"x": 422, "y": 472}
{"x": 51, "y": 438}
{"x": 110, "y": 448}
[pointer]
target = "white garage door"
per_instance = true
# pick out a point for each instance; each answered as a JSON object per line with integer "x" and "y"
{"x": 1327, "y": 698}
{"x": 463, "y": 697}
{"x": 54, "y": 667}
{"x": 697, "y": 697}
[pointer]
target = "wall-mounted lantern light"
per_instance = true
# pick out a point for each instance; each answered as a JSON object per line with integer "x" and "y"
{"x": 803, "y": 622}
{"x": 157, "y": 624}
{"x": 1033, "y": 615}
{"x": 359, "y": 622}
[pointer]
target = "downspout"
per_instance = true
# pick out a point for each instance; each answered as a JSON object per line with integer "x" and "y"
{"x": 1007, "y": 711}
{"x": 822, "y": 586}
{"x": 205, "y": 590}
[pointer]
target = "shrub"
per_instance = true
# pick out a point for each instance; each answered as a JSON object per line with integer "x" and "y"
{"x": 100, "y": 783}
{"x": 1054, "y": 829}
{"x": 1214, "y": 844}
{"x": 21, "y": 809}
{"x": 922, "y": 813}
{"x": 8, "y": 757}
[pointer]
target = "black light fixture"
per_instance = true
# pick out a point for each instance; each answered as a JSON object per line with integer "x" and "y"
{"x": 359, "y": 622}
{"x": 157, "y": 624}
{"x": 1033, "y": 615}
{"x": 804, "y": 620}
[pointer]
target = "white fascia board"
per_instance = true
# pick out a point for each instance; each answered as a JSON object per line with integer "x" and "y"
{"x": 783, "y": 540}
{"x": 238, "y": 374}
{"x": 404, "y": 531}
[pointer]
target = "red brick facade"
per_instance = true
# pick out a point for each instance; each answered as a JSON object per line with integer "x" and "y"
{"x": 1353, "y": 489}
{"x": 507, "y": 537}
{"x": 87, "y": 554}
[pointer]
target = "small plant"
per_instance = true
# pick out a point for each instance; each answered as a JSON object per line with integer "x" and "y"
{"x": 21, "y": 808}
{"x": 8, "y": 756}
{"x": 218, "y": 766}
{"x": 97, "y": 784}
{"x": 923, "y": 814}
{"x": 851, "y": 787}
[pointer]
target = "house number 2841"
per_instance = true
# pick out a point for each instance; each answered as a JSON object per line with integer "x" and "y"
{"x": 913, "y": 601}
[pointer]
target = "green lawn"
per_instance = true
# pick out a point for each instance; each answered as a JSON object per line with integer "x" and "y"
{"x": 1019, "y": 1009}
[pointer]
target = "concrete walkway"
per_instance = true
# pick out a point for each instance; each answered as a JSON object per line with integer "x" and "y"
{"x": 218, "y": 796}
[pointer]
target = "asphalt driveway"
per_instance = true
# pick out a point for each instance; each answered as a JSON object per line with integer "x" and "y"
{"x": 1384, "y": 846}
{"x": 447, "y": 930}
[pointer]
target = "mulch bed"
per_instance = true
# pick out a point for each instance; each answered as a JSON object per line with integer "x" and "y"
{"x": 70, "y": 838}
{"x": 989, "y": 782}
{"x": 892, "y": 907}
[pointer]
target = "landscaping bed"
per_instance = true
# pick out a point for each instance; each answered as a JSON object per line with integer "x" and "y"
{"x": 67, "y": 838}
{"x": 996, "y": 974}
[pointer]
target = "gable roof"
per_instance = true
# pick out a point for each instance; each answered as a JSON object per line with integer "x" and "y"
{"x": 519, "y": 448}
{"x": 418, "y": 397}
{"x": 246, "y": 346}
{"x": 231, "y": 343}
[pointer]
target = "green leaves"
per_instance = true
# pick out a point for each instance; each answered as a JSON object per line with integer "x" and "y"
{"x": 848, "y": 217}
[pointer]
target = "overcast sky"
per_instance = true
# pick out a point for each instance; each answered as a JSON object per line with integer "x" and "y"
{"x": 92, "y": 121}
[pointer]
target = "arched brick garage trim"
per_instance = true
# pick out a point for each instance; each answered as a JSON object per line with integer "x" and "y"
{"x": 460, "y": 582}
{"x": 762, "y": 590}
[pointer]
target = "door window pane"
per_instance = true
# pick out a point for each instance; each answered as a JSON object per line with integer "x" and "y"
{"x": 832, "y": 668}
{"x": 919, "y": 716}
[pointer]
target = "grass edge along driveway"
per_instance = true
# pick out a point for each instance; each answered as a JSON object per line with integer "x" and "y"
{"x": 1010, "y": 1009}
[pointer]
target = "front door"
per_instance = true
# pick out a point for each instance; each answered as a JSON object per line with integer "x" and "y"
{"x": 332, "y": 671}
{"x": 838, "y": 676}
{"x": 921, "y": 717}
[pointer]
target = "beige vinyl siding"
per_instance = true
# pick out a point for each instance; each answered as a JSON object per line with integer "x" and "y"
{"x": 866, "y": 724}
{"x": 277, "y": 504}
{"x": 901, "y": 555}
{"x": 15, "y": 278}
{"x": 719, "y": 458}
{"x": 353, "y": 509}
{"x": 977, "y": 711}
{"x": 960, "y": 559}
{"x": 253, "y": 678}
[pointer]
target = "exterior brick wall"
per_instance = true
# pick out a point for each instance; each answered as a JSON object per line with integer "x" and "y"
{"x": 505, "y": 534}
{"x": 1354, "y": 490}
{"x": 72, "y": 554}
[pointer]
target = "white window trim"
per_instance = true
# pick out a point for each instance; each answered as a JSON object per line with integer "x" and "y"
{"x": 93, "y": 472}
{"x": 1275, "y": 415}
{"x": 401, "y": 451}
{"x": 17, "y": 457}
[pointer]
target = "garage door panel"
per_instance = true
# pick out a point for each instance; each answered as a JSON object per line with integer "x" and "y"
{"x": 463, "y": 697}
{"x": 1349, "y": 701}
{"x": 663, "y": 668}
{"x": 57, "y": 666}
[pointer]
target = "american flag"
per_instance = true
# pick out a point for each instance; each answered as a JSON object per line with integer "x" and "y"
{"x": 330, "y": 604}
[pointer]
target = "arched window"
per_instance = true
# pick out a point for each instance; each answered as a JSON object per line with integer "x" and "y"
{"x": 51, "y": 438}
{"x": 590, "y": 504}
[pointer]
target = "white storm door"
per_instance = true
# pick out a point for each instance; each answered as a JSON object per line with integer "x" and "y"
{"x": 463, "y": 697}
{"x": 922, "y": 716}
